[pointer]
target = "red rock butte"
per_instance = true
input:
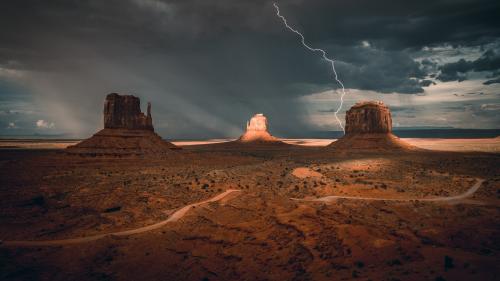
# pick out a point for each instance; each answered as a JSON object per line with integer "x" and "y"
{"x": 256, "y": 131}
{"x": 124, "y": 112}
{"x": 127, "y": 131}
{"x": 368, "y": 126}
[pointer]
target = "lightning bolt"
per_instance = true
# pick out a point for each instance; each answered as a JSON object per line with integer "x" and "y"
{"x": 323, "y": 54}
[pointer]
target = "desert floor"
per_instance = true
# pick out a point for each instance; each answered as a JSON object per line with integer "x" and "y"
{"x": 485, "y": 145}
{"x": 216, "y": 212}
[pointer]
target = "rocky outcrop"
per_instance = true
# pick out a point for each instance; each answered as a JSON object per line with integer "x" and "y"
{"x": 127, "y": 131}
{"x": 372, "y": 117}
{"x": 257, "y": 123}
{"x": 256, "y": 130}
{"x": 124, "y": 112}
{"x": 369, "y": 127}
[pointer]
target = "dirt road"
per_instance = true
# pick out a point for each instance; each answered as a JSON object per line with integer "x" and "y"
{"x": 184, "y": 210}
{"x": 173, "y": 218}
{"x": 464, "y": 195}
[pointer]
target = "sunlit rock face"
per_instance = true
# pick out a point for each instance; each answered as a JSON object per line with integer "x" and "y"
{"x": 124, "y": 112}
{"x": 257, "y": 130}
{"x": 127, "y": 131}
{"x": 257, "y": 123}
{"x": 369, "y": 117}
{"x": 368, "y": 126}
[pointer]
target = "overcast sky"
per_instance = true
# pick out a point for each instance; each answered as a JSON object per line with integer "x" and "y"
{"x": 208, "y": 66}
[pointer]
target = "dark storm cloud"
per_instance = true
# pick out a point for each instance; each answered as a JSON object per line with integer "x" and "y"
{"x": 489, "y": 61}
{"x": 427, "y": 83}
{"x": 394, "y": 24}
{"x": 209, "y": 65}
{"x": 492, "y": 81}
{"x": 384, "y": 71}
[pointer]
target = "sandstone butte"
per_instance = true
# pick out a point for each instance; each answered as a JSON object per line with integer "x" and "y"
{"x": 127, "y": 131}
{"x": 368, "y": 126}
{"x": 256, "y": 131}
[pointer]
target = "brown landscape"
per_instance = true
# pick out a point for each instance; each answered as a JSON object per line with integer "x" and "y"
{"x": 126, "y": 205}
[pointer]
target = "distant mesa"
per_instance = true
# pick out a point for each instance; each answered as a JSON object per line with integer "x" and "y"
{"x": 368, "y": 126}
{"x": 127, "y": 131}
{"x": 256, "y": 131}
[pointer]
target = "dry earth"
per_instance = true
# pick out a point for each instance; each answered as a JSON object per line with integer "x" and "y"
{"x": 483, "y": 145}
{"x": 258, "y": 233}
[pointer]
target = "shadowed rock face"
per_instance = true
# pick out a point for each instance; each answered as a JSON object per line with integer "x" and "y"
{"x": 371, "y": 117}
{"x": 124, "y": 112}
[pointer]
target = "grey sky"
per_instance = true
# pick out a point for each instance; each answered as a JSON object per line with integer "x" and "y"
{"x": 207, "y": 66}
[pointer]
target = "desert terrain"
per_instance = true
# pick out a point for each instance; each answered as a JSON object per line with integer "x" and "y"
{"x": 124, "y": 204}
{"x": 218, "y": 212}
{"x": 464, "y": 145}
{"x": 163, "y": 140}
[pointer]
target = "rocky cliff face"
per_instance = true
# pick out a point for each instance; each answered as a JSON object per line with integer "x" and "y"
{"x": 127, "y": 131}
{"x": 124, "y": 112}
{"x": 369, "y": 117}
{"x": 257, "y": 123}
{"x": 369, "y": 128}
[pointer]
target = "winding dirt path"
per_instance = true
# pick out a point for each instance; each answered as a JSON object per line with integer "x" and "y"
{"x": 172, "y": 218}
{"x": 184, "y": 210}
{"x": 464, "y": 195}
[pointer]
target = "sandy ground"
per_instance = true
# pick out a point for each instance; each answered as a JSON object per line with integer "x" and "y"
{"x": 259, "y": 232}
{"x": 304, "y": 172}
{"x": 175, "y": 216}
{"x": 484, "y": 145}
{"x": 333, "y": 198}
{"x": 35, "y": 144}
{"x": 181, "y": 212}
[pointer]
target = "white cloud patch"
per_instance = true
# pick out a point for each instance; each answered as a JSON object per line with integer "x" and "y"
{"x": 42, "y": 124}
{"x": 365, "y": 44}
{"x": 12, "y": 125}
{"x": 490, "y": 106}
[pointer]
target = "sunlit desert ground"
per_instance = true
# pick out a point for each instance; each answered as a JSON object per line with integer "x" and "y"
{"x": 485, "y": 145}
{"x": 216, "y": 212}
